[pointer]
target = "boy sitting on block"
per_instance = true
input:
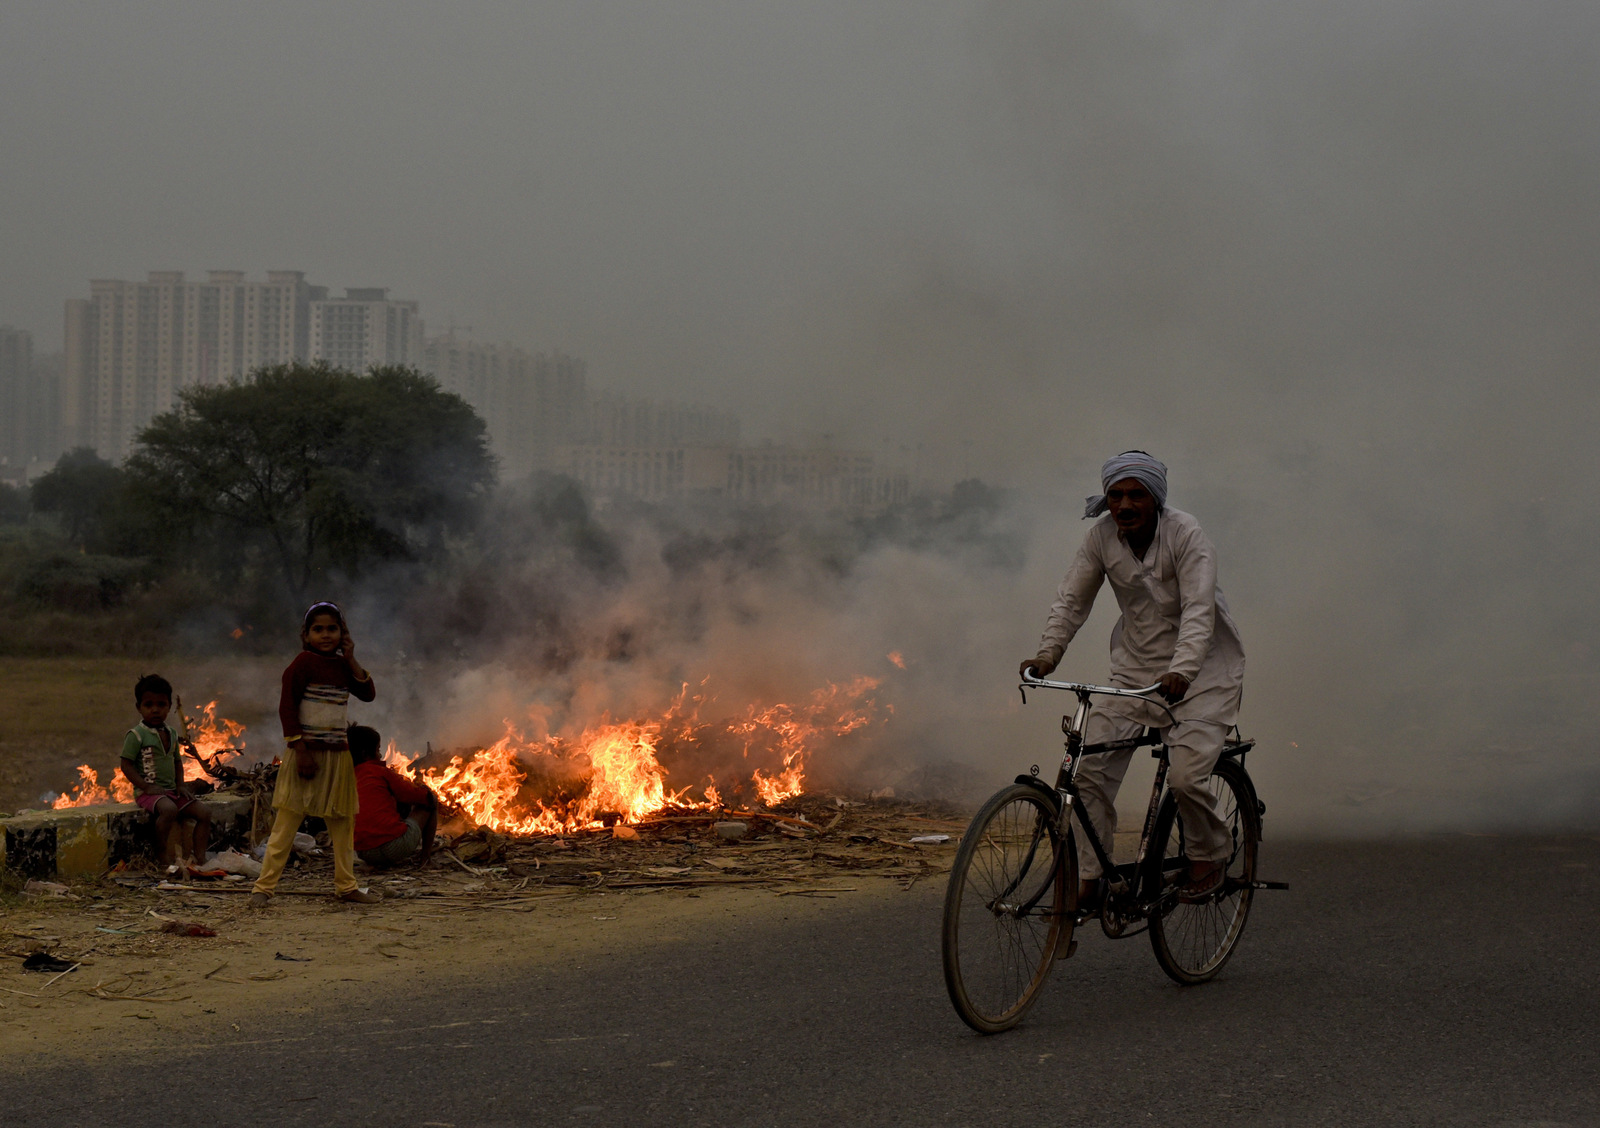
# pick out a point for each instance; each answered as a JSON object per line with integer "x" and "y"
{"x": 396, "y": 819}
{"x": 152, "y": 762}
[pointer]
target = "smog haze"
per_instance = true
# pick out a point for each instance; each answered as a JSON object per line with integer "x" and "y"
{"x": 1337, "y": 265}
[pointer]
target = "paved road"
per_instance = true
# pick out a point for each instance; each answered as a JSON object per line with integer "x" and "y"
{"x": 1441, "y": 981}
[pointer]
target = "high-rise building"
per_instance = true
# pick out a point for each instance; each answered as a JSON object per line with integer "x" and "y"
{"x": 365, "y": 328}
{"x": 527, "y": 400}
{"x": 631, "y": 421}
{"x": 823, "y": 478}
{"x": 16, "y": 378}
{"x": 130, "y": 347}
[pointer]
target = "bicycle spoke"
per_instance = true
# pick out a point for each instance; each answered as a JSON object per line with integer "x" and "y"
{"x": 1001, "y": 922}
{"x": 1194, "y": 940}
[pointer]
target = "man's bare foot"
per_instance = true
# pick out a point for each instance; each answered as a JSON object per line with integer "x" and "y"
{"x": 259, "y": 900}
{"x": 360, "y": 897}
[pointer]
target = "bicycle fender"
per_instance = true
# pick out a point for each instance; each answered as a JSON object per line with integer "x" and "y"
{"x": 1042, "y": 788}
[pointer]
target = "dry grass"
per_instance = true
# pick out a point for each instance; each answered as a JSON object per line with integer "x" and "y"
{"x": 62, "y": 712}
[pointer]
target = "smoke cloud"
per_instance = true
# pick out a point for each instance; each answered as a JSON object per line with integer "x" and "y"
{"x": 1334, "y": 264}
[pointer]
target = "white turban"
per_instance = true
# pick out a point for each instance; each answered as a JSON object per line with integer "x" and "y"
{"x": 1129, "y": 464}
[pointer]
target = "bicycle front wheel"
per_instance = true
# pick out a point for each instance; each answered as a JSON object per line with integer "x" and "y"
{"x": 1006, "y": 908}
{"x": 1192, "y": 942}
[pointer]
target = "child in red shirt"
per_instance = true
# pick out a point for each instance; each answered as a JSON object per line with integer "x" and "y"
{"x": 396, "y": 817}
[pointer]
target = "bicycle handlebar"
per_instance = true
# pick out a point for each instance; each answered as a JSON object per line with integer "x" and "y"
{"x": 1083, "y": 689}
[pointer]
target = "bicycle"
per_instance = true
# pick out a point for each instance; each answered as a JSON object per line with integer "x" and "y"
{"x": 1011, "y": 907}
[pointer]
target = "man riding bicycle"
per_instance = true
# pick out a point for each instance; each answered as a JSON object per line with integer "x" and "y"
{"x": 1175, "y": 629}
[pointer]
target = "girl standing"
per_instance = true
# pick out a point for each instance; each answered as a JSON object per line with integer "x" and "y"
{"x": 317, "y": 776}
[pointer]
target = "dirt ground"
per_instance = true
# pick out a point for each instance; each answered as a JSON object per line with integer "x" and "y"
{"x": 140, "y": 985}
{"x": 486, "y": 901}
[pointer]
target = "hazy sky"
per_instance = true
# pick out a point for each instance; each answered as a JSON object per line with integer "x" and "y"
{"x": 654, "y": 186}
{"x": 960, "y": 222}
{"x": 1338, "y": 263}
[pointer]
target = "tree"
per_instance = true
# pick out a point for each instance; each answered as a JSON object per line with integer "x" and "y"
{"x": 306, "y": 470}
{"x": 88, "y": 496}
{"x": 13, "y": 505}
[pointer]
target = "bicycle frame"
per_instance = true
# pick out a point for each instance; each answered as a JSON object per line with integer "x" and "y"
{"x": 1121, "y": 880}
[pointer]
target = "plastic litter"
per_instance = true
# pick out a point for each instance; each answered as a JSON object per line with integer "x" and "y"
{"x": 46, "y": 889}
{"x": 305, "y": 843}
{"x": 731, "y": 831}
{"x": 928, "y": 839}
{"x": 231, "y": 861}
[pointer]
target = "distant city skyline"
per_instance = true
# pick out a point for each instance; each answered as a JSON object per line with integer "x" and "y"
{"x": 131, "y": 347}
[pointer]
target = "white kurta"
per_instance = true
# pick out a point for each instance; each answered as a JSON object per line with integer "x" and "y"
{"x": 1174, "y": 619}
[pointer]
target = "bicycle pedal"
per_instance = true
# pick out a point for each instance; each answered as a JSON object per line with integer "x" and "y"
{"x": 1068, "y": 952}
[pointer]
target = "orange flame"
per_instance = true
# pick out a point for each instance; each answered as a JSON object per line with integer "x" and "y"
{"x": 89, "y": 793}
{"x": 613, "y": 770}
{"x": 831, "y": 710}
{"x": 211, "y": 735}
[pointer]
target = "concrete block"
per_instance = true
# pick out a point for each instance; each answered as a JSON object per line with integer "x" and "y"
{"x": 76, "y": 841}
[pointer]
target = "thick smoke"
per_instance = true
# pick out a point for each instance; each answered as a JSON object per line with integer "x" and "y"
{"x": 566, "y": 617}
{"x": 1335, "y": 264}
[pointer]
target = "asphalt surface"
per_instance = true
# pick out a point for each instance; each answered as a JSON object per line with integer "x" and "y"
{"x": 1446, "y": 980}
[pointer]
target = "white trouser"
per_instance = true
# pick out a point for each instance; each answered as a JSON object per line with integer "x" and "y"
{"x": 1193, "y": 748}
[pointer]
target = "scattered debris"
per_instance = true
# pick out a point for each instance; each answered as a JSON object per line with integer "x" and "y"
{"x": 291, "y": 959}
{"x": 44, "y": 961}
{"x": 187, "y": 928}
{"x": 122, "y": 992}
{"x": 36, "y": 888}
{"x": 803, "y": 846}
{"x": 233, "y": 862}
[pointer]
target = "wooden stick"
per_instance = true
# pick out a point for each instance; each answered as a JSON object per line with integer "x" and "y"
{"x": 73, "y": 968}
{"x": 246, "y": 889}
{"x": 451, "y": 855}
{"x": 819, "y": 889}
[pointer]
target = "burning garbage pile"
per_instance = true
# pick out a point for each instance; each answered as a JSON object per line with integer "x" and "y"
{"x": 675, "y": 800}
{"x": 613, "y": 772}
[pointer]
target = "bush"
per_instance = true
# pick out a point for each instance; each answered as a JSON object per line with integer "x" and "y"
{"x": 81, "y": 583}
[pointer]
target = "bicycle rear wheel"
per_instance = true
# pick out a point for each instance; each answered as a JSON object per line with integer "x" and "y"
{"x": 1192, "y": 942}
{"x": 1006, "y": 908}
